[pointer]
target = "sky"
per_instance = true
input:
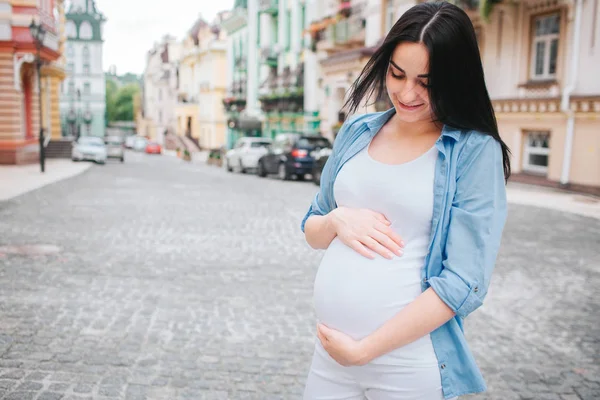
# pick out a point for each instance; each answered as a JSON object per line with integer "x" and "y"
{"x": 133, "y": 26}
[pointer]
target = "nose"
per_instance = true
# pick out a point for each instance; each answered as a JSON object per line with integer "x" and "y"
{"x": 409, "y": 94}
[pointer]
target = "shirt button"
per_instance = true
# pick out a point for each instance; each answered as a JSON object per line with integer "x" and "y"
{"x": 443, "y": 366}
{"x": 476, "y": 289}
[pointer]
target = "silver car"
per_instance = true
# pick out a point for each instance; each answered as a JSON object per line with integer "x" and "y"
{"x": 90, "y": 148}
{"x": 115, "y": 147}
{"x": 245, "y": 154}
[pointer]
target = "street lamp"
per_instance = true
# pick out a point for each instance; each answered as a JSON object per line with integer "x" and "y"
{"x": 38, "y": 33}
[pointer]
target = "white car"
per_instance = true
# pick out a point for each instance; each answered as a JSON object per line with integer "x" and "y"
{"x": 130, "y": 141}
{"x": 245, "y": 154}
{"x": 140, "y": 143}
{"x": 89, "y": 148}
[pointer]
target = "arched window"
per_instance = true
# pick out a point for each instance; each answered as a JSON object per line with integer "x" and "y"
{"x": 71, "y": 29}
{"x": 85, "y": 30}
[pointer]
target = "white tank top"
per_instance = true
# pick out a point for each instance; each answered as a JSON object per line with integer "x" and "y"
{"x": 357, "y": 295}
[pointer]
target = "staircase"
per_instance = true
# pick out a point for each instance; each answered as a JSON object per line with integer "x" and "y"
{"x": 189, "y": 144}
{"x": 60, "y": 148}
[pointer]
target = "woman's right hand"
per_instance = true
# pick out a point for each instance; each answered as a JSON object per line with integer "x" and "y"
{"x": 366, "y": 231}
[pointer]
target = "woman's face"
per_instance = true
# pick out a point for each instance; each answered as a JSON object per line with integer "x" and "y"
{"x": 407, "y": 80}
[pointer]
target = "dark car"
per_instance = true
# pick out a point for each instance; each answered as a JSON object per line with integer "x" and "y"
{"x": 291, "y": 154}
{"x": 320, "y": 160}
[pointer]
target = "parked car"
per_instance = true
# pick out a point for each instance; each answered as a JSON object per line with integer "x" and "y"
{"x": 321, "y": 158}
{"x": 90, "y": 148}
{"x": 153, "y": 148}
{"x": 245, "y": 154}
{"x": 291, "y": 154}
{"x": 140, "y": 143}
{"x": 130, "y": 141}
{"x": 115, "y": 147}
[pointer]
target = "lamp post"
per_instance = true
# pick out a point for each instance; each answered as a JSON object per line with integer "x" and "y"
{"x": 38, "y": 33}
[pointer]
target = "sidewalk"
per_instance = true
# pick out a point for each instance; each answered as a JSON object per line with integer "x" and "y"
{"x": 554, "y": 199}
{"x": 18, "y": 179}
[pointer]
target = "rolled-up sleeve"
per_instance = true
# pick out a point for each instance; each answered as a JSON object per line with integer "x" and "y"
{"x": 477, "y": 218}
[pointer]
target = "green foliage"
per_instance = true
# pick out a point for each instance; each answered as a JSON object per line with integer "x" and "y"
{"x": 111, "y": 93}
{"x": 119, "y": 101}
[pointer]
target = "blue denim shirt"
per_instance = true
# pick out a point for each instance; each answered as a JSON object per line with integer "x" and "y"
{"x": 469, "y": 212}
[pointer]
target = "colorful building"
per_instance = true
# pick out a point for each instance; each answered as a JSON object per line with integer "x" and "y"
{"x": 83, "y": 97}
{"x": 281, "y": 61}
{"x": 20, "y": 97}
{"x": 344, "y": 35}
{"x": 202, "y": 84}
{"x": 241, "y": 101}
{"x": 541, "y": 60}
{"x": 157, "y": 116}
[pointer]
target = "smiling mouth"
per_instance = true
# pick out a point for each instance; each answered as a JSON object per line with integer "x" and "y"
{"x": 411, "y": 107}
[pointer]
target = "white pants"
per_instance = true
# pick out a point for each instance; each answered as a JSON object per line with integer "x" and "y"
{"x": 327, "y": 380}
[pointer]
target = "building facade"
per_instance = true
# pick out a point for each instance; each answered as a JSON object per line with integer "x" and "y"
{"x": 241, "y": 99}
{"x": 159, "y": 91}
{"x": 344, "y": 35}
{"x": 20, "y": 97}
{"x": 202, "y": 84}
{"x": 281, "y": 63}
{"x": 541, "y": 60}
{"x": 83, "y": 95}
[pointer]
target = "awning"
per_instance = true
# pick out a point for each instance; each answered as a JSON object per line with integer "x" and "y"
{"x": 245, "y": 123}
{"x": 319, "y": 25}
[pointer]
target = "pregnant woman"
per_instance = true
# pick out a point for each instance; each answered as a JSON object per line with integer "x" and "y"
{"x": 411, "y": 210}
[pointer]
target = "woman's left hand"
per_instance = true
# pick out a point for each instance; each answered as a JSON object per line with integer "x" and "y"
{"x": 341, "y": 347}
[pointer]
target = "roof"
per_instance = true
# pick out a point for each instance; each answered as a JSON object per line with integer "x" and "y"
{"x": 195, "y": 29}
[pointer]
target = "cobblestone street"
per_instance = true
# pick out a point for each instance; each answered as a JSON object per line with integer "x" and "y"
{"x": 172, "y": 280}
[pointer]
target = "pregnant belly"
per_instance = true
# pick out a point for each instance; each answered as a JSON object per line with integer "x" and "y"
{"x": 356, "y": 295}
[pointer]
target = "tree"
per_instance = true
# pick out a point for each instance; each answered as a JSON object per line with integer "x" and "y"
{"x": 119, "y": 101}
{"x": 111, "y": 94}
{"x": 124, "y": 102}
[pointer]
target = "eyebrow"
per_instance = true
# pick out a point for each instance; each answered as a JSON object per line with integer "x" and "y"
{"x": 401, "y": 70}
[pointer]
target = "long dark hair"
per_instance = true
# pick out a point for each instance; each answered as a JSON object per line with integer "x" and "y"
{"x": 457, "y": 91}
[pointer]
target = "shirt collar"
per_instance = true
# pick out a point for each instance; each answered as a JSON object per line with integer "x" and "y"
{"x": 376, "y": 122}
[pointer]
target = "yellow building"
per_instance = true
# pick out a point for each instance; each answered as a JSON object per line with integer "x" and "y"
{"x": 53, "y": 75}
{"x": 201, "y": 87}
{"x": 541, "y": 60}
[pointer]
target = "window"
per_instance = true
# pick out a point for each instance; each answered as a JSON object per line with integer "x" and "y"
{"x": 536, "y": 151}
{"x": 86, "y": 69}
{"x": 86, "y": 53}
{"x": 71, "y": 87}
{"x": 71, "y": 29}
{"x": 259, "y": 144}
{"x": 85, "y": 30}
{"x": 71, "y": 68}
{"x": 86, "y": 88}
{"x": 545, "y": 46}
{"x": 70, "y": 51}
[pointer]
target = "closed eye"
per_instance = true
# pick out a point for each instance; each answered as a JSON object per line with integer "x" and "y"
{"x": 400, "y": 77}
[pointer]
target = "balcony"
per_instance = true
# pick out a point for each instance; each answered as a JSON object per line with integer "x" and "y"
{"x": 240, "y": 63}
{"x": 269, "y": 56}
{"x": 268, "y": 6}
{"x": 347, "y": 32}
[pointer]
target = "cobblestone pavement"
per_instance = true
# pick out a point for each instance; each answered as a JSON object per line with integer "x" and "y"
{"x": 181, "y": 281}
